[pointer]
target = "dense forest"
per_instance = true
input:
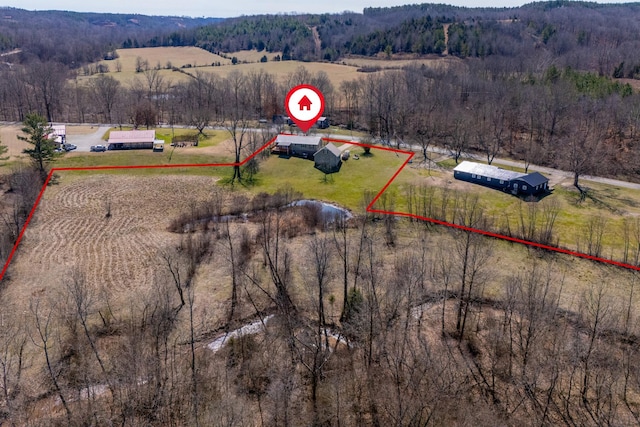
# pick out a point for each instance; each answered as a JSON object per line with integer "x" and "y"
{"x": 579, "y": 34}
{"x": 73, "y": 38}
{"x": 582, "y": 35}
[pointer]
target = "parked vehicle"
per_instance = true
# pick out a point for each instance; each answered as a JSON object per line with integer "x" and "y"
{"x": 98, "y": 148}
{"x": 69, "y": 147}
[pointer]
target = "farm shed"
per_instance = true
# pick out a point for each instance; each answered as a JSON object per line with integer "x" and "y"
{"x": 296, "y": 145}
{"x": 322, "y": 123}
{"x": 131, "y": 139}
{"x": 327, "y": 159}
{"x": 531, "y": 184}
{"x": 158, "y": 145}
{"x": 516, "y": 183}
{"x": 58, "y": 134}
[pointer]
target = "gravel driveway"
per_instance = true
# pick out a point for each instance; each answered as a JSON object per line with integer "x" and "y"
{"x": 84, "y": 142}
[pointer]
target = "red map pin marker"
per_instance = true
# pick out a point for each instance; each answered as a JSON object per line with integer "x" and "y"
{"x": 305, "y": 105}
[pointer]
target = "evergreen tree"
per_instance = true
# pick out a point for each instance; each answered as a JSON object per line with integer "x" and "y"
{"x": 36, "y": 132}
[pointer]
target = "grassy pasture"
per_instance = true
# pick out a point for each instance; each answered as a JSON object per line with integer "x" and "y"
{"x": 606, "y": 203}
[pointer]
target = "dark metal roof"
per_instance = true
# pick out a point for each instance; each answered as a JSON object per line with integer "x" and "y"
{"x": 488, "y": 171}
{"x": 534, "y": 179}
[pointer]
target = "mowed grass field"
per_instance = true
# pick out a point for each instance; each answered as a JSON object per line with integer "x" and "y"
{"x": 346, "y": 187}
{"x": 199, "y": 60}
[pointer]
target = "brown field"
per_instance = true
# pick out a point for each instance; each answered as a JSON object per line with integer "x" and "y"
{"x": 121, "y": 253}
{"x": 178, "y": 56}
{"x": 432, "y": 62}
{"x": 337, "y": 72}
{"x": 200, "y": 59}
{"x": 252, "y": 55}
{"x": 282, "y": 69}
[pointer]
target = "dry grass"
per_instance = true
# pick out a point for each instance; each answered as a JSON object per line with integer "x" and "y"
{"x": 612, "y": 204}
{"x": 9, "y": 138}
{"x": 200, "y": 60}
{"x": 337, "y": 72}
{"x": 253, "y": 55}
{"x": 119, "y": 253}
{"x": 401, "y": 61}
{"x": 178, "y": 56}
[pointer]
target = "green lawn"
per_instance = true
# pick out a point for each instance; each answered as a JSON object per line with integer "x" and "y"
{"x": 611, "y": 204}
{"x": 345, "y": 187}
{"x": 210, "y": 138}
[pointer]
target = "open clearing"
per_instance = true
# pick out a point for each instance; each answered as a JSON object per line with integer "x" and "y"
{"x": 161, "y": 56}
{"x": 118, "y": 254}
{"x": 608, "y": 204}
{"x": 192, "y": 59}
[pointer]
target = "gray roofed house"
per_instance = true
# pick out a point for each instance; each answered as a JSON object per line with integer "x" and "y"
{"x": 516, "y": 183}
{"x": 297, "y": 145}
{"x": 327, "y": 159}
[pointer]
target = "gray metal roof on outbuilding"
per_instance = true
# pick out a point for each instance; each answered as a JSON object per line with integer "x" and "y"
{"x": 131, "y": 136}
{"x": 332, "y": 149}
{"x": 488, "y": 171}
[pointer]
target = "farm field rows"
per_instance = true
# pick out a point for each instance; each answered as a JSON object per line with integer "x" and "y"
{"x": 118, "y": 253}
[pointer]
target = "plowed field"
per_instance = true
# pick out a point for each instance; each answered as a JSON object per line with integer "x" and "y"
{"x": 120, "y": 254}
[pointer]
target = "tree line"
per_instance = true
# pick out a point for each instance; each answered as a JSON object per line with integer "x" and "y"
{"x": 564, "y": 118}
{"x": 74, "y": 38}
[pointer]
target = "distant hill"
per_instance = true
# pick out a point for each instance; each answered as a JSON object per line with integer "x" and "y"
{"x": 74, "y": 38}
{"x": 581, "y": 35}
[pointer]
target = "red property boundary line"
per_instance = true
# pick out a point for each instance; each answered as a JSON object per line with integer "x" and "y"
{"x": 410, "y": 155}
